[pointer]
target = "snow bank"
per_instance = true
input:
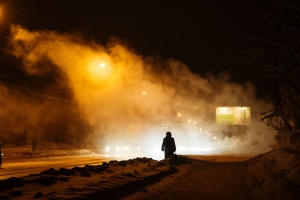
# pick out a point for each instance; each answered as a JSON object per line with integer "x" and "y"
{"x": 45, "y": 150}
{"x": 111, "y": 180}
{"x": 274, "y": 175}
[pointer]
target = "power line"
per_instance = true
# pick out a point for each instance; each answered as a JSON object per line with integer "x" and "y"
{"x": 19, "y": 82}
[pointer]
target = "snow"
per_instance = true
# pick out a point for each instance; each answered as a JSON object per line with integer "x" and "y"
{"x": 272, "y": 175}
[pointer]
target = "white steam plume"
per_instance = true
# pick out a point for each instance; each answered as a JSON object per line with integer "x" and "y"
{"x": 128, "y": 99}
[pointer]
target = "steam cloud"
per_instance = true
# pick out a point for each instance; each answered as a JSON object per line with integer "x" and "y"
{"x": 127, "y": 99}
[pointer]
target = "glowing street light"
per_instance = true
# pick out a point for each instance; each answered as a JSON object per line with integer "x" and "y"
{"x": 99, "y": 70}
{"x": 102, "y": 65}
{"x": 97, "y": 67}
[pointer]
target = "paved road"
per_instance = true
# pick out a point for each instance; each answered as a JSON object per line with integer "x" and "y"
{"x": 219, "y": 177}
{"x": 212, "y": 180}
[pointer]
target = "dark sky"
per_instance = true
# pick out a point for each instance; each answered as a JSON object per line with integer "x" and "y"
{"x": 195, "y": 32}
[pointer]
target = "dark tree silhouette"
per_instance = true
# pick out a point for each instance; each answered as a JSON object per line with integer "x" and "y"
{"x": 280, "y": 67}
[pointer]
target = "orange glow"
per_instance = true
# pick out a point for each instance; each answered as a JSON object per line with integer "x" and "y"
{"x": 114, "y": 87}
{"x": 99, "y": 70}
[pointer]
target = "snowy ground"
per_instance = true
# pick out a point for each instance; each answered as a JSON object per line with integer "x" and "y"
{"x": 272, "y": 175}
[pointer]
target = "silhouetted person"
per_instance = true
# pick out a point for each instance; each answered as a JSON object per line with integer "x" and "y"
{"x": 34, "y": 144}
{"x": 168, "y": 145}
{"x": 1, "y": 155}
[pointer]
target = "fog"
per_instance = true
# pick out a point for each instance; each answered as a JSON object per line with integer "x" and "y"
{"x": 125, "y": 101}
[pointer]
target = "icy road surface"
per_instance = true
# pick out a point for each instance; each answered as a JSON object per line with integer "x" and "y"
{"x": 35, "y": 166}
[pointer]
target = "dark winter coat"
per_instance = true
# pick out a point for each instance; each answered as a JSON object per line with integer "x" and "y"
{"x": 168, "y": 143}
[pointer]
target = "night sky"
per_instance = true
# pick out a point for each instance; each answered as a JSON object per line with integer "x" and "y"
{"x": 194, "y": 32}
